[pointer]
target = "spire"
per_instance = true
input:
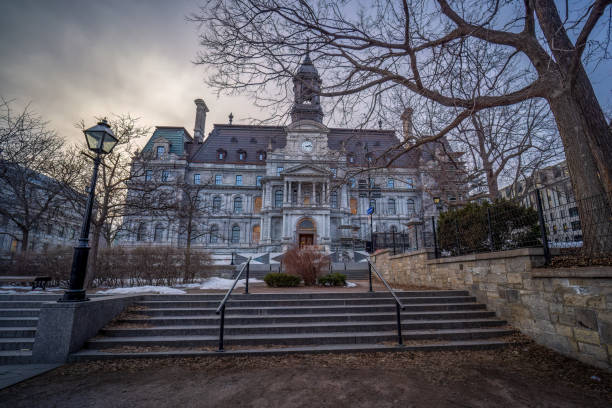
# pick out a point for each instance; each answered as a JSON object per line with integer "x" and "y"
{"x": 306, "y": 88}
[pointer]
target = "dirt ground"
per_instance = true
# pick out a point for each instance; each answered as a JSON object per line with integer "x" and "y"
{"x": 523, "y": 376}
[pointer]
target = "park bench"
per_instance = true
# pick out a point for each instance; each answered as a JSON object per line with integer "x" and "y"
{"x": 35, "y": 281}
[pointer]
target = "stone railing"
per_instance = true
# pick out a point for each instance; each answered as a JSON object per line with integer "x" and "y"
{"x": 568, "y": 309}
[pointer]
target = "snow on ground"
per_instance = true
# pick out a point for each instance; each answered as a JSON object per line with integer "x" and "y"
{"x": 162, "y": 290}
{"x": 7, "y": 292}
{"x": 221, "y": 283}
{"x": 350, "y": 284}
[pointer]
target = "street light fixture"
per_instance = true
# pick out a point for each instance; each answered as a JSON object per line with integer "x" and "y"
{"x": 100, "y": 140}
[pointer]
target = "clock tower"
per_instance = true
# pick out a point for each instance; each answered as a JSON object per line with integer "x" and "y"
{"x": 306, "y": 88}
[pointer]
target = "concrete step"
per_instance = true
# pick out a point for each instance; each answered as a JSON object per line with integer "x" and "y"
{"x": 213, "y": 329}
{"x": 237, "y": 294}
{"x": 17, "y": 343}
{"x": 304, "y": 318}
{"x": 257, "y": 303}
{"x": 19, "y": 312}
{"x": 15, "y": 357}
{"x": 21, "y": 304}
{"x": 18, "y": 321}
{"x": 296, "y": 339}
{"x": 195, "y": 311}
{"x": 17, "y": 332}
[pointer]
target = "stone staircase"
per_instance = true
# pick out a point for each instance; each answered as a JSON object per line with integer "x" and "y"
{"x": 182, "y": 325}
{"x": 352, "y": 271}
{"x": 18, "y": 321}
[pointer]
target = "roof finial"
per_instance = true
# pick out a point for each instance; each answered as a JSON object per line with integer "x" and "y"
{"x": 380, "y": 123}
{"x": 231, "y": 118}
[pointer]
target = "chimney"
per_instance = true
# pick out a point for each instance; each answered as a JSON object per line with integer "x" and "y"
{"x": 200, "y": 120}
{"x": 407, "y": 123}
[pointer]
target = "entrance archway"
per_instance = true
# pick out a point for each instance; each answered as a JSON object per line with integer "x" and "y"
{"x": 306, "y": 232}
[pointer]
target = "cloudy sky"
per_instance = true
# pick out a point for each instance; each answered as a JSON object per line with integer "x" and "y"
{"x": 77, "y": 59}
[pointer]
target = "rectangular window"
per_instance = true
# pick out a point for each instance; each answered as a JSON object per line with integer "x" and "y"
{"x": 218, "y": 179}
{"x": 165, "y": 175}
{"x": 238, "y": 180}
{"x": 333, "y": 198}
{"x": 573, "y": 212}
{"x": 352, "y": 182}
{"x": 409, "y": 183}
{"x": 279, "y": 170}
{"x": 372, "y": 182}
{"x": 196, "y": 179}
{"x": 258, "y": 181}
{"x": 160, "y": 152}
{"x": 575, "y": 225}
{"x": 334, "y": 171}
{"x": 390, "y": 183}
{"x": 149, "y": 175}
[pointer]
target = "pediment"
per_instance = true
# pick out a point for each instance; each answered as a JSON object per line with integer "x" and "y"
{"x": 306, "y": 170}
{"x": 306, "y": 125}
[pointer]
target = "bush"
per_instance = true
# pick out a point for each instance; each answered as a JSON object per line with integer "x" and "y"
{"x": 333, "y": 279}
{"x": 278, "y": 280}
{"x": 305, "y": 263}
{"x": 54, "y": 262}
{"x": 467, "y": 229}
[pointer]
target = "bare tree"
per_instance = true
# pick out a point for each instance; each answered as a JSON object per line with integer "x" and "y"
{"x": 433, "y": 50}
{"x": 36, "y": 173}
{"x": 508, "y": 143}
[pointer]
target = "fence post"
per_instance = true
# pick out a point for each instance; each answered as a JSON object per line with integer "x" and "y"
{"x": 416, "y": 237}
{"x": 457, "y": 236}
{"x": 246, "y": 284}
{"x": 435, "y": 239}
{"x": 393, "y": 239}
{"x": 370, "y": 275}
{"x": 490, "y": 230}
{"x": 543, "y": 227}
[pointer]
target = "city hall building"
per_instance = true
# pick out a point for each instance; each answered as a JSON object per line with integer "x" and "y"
{"x": 260, "y": 189}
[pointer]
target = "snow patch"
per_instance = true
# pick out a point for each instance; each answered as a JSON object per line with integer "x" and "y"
{"x": 162, "y": 290}
{"x": 221, "y": 283}
{"x": 7, "y": 292}
{"x": 350, "y": 284}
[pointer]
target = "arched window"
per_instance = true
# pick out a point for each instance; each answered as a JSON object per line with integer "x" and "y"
{"x": 160, "y": 231}
{"x": 333, "y": 199}
{"x": 410, "y": 207}
{"x": 214, "y": 234}
{"x": 242, "y": 155}
{"x": 351, "y": 158}
{"x": 257, "y": 205}
{"x": 216, "y": 203}
{"x": 353, "y": 204}
{"x": 391, "y": 206}
{"x": 278, "y": 198}
{"x": 235, "y": 234}
{"x": 141, "y": 233}
{"x": 238, "y": 205}
{"x": 256, "y": 233}
{"x": 261, "y": 155}
{"x": 221, "y": 154}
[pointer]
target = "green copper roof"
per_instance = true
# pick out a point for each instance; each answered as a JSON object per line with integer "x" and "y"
{"x": 176, "y": 136}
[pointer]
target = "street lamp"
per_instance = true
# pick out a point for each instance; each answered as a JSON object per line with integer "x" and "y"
{"x": 100, "y": 140}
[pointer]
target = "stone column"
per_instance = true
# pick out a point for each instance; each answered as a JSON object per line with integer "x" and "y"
{"x": 314, "y": 196}
{"x": 285, "y": 195}
{"x": 299, "y": 195}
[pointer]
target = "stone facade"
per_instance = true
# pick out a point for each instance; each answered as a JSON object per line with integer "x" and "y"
{"x": 568, "y": 310}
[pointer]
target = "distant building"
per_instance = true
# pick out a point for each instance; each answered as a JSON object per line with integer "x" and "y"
{"x": 558, "y": 201}
{"x": 58, "y": 224}
{"x": 268, "y": 187}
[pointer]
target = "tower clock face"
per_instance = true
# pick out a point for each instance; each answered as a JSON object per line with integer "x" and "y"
{"x": 307, "y": 146}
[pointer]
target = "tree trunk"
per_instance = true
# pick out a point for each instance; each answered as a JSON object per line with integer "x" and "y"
{"x": 25, "y": 238}
{"x": 587, "y": 141}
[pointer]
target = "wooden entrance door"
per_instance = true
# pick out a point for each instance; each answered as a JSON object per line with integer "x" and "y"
{"x": 306, "y": 240}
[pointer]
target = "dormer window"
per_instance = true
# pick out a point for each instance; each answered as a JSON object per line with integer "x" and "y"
{"x": 261, "y": 155}
{"x": 234, "y": 140}
{"x": 351, "y": 158}
{"x": 221, "y": 154}
{"x": 369, "y": 157}
{"x": 377, "y": 143}
{"x": 160, "y": 152}
{"x": 253, "y": 140}
{"x": 242, "y": 155}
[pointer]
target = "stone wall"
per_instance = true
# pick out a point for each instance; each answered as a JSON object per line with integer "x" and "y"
{"x": 569, "y": 310}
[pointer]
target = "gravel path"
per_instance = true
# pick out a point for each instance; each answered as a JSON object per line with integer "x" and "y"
{"x": 524, "y": 376}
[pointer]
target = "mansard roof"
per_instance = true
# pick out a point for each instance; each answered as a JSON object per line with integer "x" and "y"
{"x": 177, "y": 137}
{"x": 253, "y": 139}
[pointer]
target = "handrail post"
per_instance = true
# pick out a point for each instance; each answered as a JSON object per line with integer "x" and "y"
{"x": 400, "y": 340}
{"x": 370, "y": 274}
{"x": 246, "y": 284}
{"x": 221, "y": 324}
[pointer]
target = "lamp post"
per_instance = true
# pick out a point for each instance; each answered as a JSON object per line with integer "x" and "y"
{"x": 100, "y": 140}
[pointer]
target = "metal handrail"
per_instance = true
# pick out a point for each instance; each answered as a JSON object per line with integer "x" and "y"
{"x": 398, "y": 303}
{"x": 221, "y": 308}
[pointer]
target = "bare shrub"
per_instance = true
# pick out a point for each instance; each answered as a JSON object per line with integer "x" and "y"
{"x": 55, "y": 263}
{"x": 305, "y": 263}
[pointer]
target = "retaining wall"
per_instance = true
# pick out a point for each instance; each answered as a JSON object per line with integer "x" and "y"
{"x": 567, "y": 309}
